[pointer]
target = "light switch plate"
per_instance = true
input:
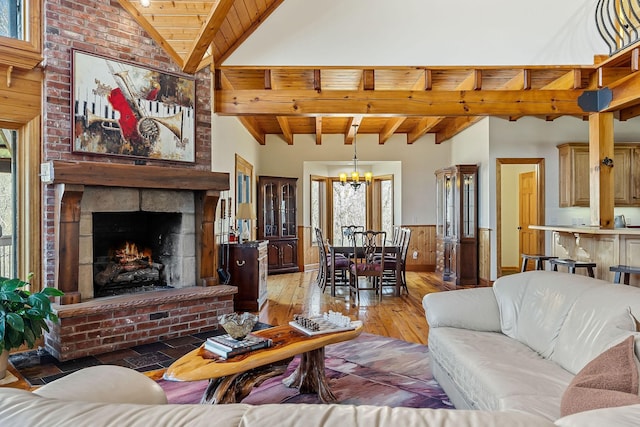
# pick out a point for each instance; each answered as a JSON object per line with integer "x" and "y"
{"x": 46, "y": 172}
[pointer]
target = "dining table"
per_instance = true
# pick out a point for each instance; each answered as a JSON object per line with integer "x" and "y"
{"x": 348, "y": 252}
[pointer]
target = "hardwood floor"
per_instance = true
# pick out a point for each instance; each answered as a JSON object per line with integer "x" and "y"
{"x": 397, "y": 317}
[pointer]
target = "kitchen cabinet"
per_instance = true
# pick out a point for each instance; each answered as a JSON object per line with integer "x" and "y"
{"x": 574, "y": 174}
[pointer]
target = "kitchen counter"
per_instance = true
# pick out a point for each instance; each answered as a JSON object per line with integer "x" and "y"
{"x": 605, "y": 247}
{"x": 585, "y": 229}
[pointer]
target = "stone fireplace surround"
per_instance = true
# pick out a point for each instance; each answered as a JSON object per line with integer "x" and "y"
{"x": 93, "y": 326}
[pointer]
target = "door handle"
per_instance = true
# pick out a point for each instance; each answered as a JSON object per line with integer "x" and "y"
{"x": 240, "y": 263}
{"x": 519, "y": 228}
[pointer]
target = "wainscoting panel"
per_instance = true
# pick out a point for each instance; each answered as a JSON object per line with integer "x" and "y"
{"x": 484, "y": 256}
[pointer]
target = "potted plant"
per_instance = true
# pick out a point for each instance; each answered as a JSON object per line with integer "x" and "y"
{"x": 22, "y": 316}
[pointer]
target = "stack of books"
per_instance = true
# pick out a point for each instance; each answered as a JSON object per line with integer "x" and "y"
{"x": 226, "y": 347}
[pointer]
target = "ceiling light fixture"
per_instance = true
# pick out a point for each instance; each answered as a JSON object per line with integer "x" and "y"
{"x": 145, "y": 3}
{"x": 355, "y": 175}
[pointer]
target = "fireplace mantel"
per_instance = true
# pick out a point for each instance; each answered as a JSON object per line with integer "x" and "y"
{"x": 121, "y": 175}
{"x": 70, "y": 179}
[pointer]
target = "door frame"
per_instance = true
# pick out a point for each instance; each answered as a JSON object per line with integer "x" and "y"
{"x": 538, "y": 162}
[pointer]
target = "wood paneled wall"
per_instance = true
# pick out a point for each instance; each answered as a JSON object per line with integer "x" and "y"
{"x": 423, "y": 241}
{"x": 484, "y": 256}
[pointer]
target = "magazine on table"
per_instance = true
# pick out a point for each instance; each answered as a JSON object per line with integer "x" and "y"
{"x": 225, "y": 346}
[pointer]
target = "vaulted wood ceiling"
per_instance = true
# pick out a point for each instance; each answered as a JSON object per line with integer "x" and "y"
{"x": 412, "y": 100}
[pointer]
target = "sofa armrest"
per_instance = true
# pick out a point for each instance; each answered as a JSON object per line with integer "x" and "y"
{"x": 475, "y": 309}
{"x": 105, "y": 384}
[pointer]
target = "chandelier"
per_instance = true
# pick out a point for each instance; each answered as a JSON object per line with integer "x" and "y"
{"x": 355, "y": 175}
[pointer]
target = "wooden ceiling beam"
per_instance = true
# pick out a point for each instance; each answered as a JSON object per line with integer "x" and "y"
{"x": 350, "y": 132}
{"x": 626, "y": 92}
{"x": 222, "y": 56}
{"x": 251, "y": 124}
{"x": 422, "y": 128}
{"x": 397, "y": 103}
{"x": 629, "y": 113}
{"x": 152, "y": 31}
{"x": 319, "y": 130}
{"x": 454, "y": 127}
{"x": 472, "y": 82}
{"x": 286, "y": 129}
{"x": 217, "y": 15}
{"x": 569, "y": 80}
{"x": 393, "y": 123}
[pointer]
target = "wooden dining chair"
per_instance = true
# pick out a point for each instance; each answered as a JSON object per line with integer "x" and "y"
{"x": 390, "y": 261}
{"x": 348, "y": 235}
{"x": 324, "y": 263}
{"x": 366, "y": 263}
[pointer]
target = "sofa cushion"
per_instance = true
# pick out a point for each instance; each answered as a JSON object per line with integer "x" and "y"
{"x": 597, "y": 320}
{"x": 534, "y": 305}
{"x": 620, "y": 416}
{"x": 496, "y": 372}
{"x": 611, "y": 379}
{"x": 474, "y": 308}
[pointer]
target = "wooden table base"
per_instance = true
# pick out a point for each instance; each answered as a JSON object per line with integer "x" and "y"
{"x": 234, "y": 388}
{"x": 309, "y": 377}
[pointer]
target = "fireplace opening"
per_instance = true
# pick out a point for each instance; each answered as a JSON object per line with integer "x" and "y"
{"x": 134, "y": 251}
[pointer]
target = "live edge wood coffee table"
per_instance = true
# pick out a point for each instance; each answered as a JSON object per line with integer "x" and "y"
{"x": 231, "y": 380}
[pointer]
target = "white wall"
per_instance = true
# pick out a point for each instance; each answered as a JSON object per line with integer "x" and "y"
{"x": 415, "y": 189}
{"x": 418, "y": 32}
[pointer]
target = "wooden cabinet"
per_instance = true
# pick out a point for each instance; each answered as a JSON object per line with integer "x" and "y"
{"x": 277, "y": 222}
{"x": 457, "y": 225}
{"x": 247, "y": 266}
{"x": 574, "y": 174}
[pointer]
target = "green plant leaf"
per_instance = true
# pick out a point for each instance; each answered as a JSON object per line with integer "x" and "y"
{"x": 15, "y": 321}
{"x": 52, "y": 292}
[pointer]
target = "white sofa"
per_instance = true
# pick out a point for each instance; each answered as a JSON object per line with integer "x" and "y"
{"x": 519, "y": 344}
{"x": 501, "y": 378}
{"x": 116, "y": 396}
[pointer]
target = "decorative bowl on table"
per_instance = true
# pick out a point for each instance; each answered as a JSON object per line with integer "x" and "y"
{"x": 237, "y": 325}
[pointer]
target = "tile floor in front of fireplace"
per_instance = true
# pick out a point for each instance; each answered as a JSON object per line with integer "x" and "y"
{"x": 38, "y": 367}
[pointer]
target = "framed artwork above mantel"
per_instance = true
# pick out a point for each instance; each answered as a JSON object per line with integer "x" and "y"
{"x": 124, "y": 109}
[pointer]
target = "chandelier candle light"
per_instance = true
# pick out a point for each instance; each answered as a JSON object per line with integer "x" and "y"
{"x": 355, "y": 175}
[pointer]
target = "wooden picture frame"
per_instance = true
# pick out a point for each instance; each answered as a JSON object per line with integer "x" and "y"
{"x": 123, "y": 109}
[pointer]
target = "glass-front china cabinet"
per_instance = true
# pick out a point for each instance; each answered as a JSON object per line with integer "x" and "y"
{"x": 457, "y": 225}
{"x": 277, "y": 222}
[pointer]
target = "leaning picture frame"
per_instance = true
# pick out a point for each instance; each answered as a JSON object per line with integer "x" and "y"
{"x": 124, "y": 109}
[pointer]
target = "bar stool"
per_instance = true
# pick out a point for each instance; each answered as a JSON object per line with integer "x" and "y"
{"x": 539, "y": 261}
{"x": 627, "y": 270}
{"x": 572, "y": 264}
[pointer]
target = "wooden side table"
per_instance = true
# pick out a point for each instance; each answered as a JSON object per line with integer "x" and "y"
{"x": 232, "y": 380}
{"x": 247, "y": 264}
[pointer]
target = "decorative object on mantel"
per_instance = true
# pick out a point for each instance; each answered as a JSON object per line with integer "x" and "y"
{"x": 355, "y": 175}
{"x": 238, "y": 325}
{"x": 126, "y": 110}
{"x": 22, "y": 316}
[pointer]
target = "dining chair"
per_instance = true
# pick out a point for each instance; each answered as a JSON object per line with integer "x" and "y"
{"x": 366, "y": 263}
{"x": 390, "y": 261}
{"x": 348, "y": 235}
{"x": 324, "y": 261}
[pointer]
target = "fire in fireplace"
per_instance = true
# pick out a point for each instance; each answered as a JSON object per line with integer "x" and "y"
{"x": 134, "y": 251}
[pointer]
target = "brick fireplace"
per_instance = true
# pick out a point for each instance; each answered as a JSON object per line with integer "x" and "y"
{"x": 180, "y": 205}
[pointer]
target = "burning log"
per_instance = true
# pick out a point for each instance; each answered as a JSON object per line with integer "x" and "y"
{"x": 129, "y": 267}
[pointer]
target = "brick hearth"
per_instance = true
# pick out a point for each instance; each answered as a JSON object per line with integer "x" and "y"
{"x": 113, "y": 323}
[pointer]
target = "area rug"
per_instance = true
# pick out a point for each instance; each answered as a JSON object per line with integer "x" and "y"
{"x": 369, "y": 370}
